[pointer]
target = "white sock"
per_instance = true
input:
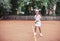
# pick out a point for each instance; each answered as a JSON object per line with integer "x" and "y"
{"x": 34, "y": 33}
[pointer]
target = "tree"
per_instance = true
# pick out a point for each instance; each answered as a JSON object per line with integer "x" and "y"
{"x": 58, "y": 8}
{"x": 5, "y": 7}
{"x": 14, "y": 4}
{"x": 51, "y": 6}
{"x": 20, "y": 4}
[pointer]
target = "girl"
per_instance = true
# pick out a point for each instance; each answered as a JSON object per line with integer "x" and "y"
{"x": 37, "y": 18}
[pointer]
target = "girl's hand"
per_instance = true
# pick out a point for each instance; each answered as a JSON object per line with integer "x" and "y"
{"x": 36, "y": 22}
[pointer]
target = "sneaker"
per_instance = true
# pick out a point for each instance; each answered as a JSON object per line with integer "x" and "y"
{"x": 41, "y": 34}
{"x": 34, "y": 33}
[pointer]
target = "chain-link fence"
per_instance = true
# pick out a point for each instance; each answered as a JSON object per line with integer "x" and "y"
{"x": 15, "y": 17}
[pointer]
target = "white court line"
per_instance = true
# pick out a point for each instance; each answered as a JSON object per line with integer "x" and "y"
{"x": 33, "y": 33}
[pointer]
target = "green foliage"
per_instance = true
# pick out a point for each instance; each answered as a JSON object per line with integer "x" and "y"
{"x": 5, "y": 7}
{"x": 20, "y": 4}
{"x": 51, "y": 3}
{"x": 5, "y": 4}
{"x": 58, "y": 9}
{"x": 13, "y": 5}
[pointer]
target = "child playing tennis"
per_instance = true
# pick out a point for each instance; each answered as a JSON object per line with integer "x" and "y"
{"x": 37, "y": 18}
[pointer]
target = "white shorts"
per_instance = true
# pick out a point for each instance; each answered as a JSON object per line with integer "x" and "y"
{"x": 38, "y": 24}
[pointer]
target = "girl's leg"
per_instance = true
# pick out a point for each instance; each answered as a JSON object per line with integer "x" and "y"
{"x": 35, "y": 30}
{"x": 40, "y": 31}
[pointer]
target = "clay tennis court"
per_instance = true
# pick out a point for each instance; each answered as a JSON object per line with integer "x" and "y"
{"x": 20, "y": 30}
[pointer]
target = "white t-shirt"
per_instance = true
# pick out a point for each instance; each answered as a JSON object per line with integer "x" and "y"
{"x": 37, "y": 18}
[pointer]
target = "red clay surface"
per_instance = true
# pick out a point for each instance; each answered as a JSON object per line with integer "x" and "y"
{"x": 18, "y": 30}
